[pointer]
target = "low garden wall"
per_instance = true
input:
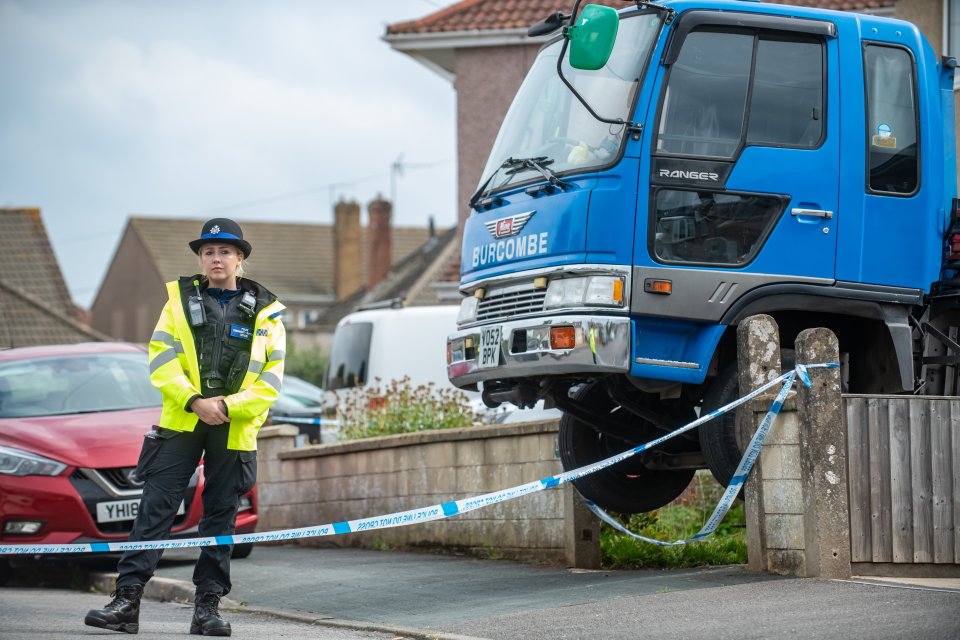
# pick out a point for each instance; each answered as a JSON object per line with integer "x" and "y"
{"x": 326, "y": 483}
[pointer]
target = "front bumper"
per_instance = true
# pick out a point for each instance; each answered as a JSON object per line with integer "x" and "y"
{"x": 602, "y": 346}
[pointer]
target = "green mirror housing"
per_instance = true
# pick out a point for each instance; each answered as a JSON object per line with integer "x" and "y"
{"x": 592, "y": 37}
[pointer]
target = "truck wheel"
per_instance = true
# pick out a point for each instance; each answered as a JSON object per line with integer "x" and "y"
{"x": 718, "y": 438}
{"x": 626, "y": 487}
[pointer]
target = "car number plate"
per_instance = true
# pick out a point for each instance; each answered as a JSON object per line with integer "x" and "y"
{"x": 120, "y": 510}
{"x": 489, "y": 347}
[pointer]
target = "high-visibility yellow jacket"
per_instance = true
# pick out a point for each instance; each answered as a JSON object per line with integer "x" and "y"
{"x": 174, "y": 370}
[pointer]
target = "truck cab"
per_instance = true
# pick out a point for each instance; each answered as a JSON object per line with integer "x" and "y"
{"x": 726, "y": 158}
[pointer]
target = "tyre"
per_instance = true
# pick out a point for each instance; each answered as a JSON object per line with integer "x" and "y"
{"x": 242, "y": 550}
{"x": 626, "y": 487}
{"x": 718, "y": 438}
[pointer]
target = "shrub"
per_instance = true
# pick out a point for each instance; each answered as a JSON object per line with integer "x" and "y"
{"x": 309, "y": 364}
{"x": 399, "y": 407}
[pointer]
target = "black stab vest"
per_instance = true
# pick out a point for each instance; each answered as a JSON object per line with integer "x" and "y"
{"x": 223, "y": 345}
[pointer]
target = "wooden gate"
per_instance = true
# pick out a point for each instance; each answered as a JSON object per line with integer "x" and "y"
{"x": 904, "y": 482}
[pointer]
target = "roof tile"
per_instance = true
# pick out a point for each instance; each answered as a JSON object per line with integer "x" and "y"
{"x": 495, "y": 15}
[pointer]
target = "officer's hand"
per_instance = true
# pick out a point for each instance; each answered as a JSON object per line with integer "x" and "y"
{"x": 209, "y": 411}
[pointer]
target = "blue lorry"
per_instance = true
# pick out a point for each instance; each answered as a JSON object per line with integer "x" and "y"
{"x": 669, "y": 169}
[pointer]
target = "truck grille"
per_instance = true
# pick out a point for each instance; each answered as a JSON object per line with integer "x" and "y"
{"x": 510, "y": 303}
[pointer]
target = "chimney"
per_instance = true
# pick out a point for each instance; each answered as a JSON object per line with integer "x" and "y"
{"x": 378, "y": 241}
{"x": 347, "y": 260}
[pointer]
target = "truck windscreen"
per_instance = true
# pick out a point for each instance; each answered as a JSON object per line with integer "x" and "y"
{"x": 546, "y": 119}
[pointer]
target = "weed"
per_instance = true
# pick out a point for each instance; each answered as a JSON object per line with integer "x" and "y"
{"x": 380, "y": 544}
{"x": 679, "y": 520}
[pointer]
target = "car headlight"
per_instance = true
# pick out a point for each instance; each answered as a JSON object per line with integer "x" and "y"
{"x": 14, "y": 462}
{"x": 468, "y": 310}
{"x": 603, "y": 291}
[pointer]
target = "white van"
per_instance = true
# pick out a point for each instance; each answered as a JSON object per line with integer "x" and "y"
{"x": 389, "y": 344}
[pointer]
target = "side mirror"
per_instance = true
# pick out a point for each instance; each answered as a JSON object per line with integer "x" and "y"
{"x": 592, "y": 37}
{"x": 548, "y": 25}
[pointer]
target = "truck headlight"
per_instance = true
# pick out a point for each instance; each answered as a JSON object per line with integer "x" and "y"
{"x": 14, "y": 462}
{"x": 468, "y": 310}
{"x": 603, "y": 291}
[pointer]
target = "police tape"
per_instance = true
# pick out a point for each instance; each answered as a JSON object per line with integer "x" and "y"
{"x": 739, "y": 476}
{"x": 453, "y": 508}
{"x": 296, "y": 420}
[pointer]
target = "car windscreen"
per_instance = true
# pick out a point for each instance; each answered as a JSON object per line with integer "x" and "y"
{"x": 349, "y": 356}
{"x": 73, "y": 384}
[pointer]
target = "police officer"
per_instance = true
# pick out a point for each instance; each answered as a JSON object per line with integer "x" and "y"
{"x": 217, "y": 357}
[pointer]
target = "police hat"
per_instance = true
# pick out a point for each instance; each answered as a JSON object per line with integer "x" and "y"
{"x": 221, "y": 231}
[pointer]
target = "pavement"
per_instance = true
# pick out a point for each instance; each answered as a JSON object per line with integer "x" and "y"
{"x": 392, "y": 594}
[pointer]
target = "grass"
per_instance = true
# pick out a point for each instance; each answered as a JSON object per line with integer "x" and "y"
{"x": 679, "y": 520}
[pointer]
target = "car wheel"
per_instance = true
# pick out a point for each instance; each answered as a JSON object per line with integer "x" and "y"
{"x": 242, "y": 550}
{"x": 626, "y": 487}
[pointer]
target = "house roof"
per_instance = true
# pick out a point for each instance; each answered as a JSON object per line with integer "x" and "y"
{"x": 35, "y": 305}
{"x": 292, "y": 259}
{"x": 27, "y": 261}
{"x": 27, "y": 321}
{"x": 498, "y": 15}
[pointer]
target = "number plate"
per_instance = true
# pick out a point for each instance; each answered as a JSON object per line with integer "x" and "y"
{"x": 489, "y": 347}
{"x": 119, "y": 510}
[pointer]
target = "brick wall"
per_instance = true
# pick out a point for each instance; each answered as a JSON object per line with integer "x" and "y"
{"x": 321, "y": 484}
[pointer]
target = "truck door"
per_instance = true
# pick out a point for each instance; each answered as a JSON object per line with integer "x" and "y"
{"x": 744, "y": 165}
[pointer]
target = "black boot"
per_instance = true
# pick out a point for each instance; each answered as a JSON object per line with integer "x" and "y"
{"x": 206, "y": 618}
{"x": 123, "y": 612}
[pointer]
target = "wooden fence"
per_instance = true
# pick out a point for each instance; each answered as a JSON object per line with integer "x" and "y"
{"x": 904, "y": 481}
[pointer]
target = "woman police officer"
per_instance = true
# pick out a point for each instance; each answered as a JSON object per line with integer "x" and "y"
{"x": 217, "y": 357}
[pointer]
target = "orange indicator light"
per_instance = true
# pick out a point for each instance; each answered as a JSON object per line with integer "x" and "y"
{"x": 618, "y": 291}
{"x": 664, "y": 287}
{"x": 562, "y": 338}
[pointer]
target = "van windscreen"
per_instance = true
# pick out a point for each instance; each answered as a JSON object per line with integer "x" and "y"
{"x": 349, "y": 356}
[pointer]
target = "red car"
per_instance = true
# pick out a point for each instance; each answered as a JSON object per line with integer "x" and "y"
{"x": 72, "y": 420}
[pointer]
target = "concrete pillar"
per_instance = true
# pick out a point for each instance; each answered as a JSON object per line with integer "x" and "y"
{"x": 758, "y": 362}
{"x": 823, "y": 456}
{"x": 581, "y": 531}
{"x": 347, "y": 263}
{"x": 378, "y": 241}
{"x": 271, "y": 441}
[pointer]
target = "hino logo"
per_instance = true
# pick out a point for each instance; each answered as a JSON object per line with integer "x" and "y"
{"x": 689, "y": 175}
{"x": 506, "y": 227}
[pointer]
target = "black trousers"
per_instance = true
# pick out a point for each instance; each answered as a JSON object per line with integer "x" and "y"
{"x": 228, "y": 475}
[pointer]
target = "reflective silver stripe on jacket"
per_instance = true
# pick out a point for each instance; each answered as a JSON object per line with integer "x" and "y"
{"x": 165, "y": 356}
{"x": 271, "y": 379}
{"x": 162, "y": 336}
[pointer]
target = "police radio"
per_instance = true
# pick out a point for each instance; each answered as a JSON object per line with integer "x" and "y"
{"x": 198, "y": 315}
{"x": 248, "y": 303}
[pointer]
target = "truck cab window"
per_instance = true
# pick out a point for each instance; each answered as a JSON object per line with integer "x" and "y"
{"x": 709, "y": 227}
{"x": 705, "y": 104}
{"x": 892, "y": 129}
{"x": 786, "y": 104}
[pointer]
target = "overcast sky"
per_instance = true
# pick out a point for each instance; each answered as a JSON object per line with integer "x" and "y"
{"x": 247, "y": 109}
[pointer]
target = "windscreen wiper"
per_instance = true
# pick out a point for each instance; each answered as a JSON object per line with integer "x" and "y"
{"x": 515, "y": 166}
{"x": 539, "y": 164}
